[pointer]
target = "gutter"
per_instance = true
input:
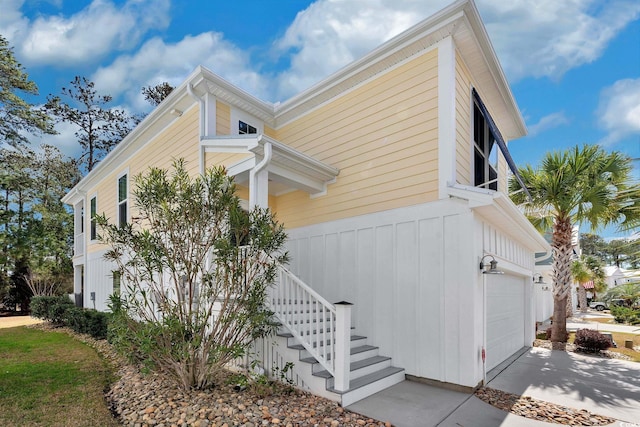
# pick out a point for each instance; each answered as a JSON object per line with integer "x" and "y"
{"x": 253, "y": 181}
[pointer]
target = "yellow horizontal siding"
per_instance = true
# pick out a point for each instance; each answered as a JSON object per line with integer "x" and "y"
{"x": 178, "y": 140}
{"x": 463, "y": 123}
{"x": 270, "y": 132}
{"x": 223, "y": 119}
{"x": 383, "y": 138}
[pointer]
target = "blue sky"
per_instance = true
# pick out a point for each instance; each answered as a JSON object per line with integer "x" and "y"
{"x": 574, "y": 66}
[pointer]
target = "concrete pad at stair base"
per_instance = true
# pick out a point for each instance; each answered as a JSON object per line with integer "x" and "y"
{"x": 602, "y": 386}
{"x": 410, "y": 404}
{"x": 476, "y": 413}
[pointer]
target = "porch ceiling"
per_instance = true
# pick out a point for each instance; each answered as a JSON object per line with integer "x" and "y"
{"x": 288, "y": 168}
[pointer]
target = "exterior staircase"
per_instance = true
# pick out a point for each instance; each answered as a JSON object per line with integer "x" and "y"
{"x": 329, "y": 359}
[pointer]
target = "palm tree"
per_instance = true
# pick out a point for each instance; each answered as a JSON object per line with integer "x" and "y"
{"x": 582, "y": 185}
{"x": 581, "y": 274}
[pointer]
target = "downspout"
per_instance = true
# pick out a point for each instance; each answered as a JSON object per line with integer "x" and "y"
{"x": 268, "y": 153}
{"x": 202, "y": 112}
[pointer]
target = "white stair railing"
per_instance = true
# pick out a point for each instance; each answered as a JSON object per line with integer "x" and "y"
{"x": 322, "y": 328}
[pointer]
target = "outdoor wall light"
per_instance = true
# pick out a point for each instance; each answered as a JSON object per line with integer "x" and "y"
{"x": 538, "y": 279}
{"x": 493, "y": 266}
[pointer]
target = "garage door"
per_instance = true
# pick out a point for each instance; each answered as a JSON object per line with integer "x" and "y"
{"x": 505, "y": 317}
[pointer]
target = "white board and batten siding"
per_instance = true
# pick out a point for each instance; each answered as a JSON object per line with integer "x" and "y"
{"x": 409, "y": 273}
{"x": 99, "y": 279}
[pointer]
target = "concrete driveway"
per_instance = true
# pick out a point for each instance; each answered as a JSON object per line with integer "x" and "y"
{"x": 13, "y": 321}
{"x": 603, "y": 386}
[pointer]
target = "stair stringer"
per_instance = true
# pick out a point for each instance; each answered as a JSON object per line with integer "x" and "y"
{"x": 274, "y": 353}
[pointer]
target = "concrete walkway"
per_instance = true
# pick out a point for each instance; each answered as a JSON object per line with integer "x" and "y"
{"x": 13, "y": 321}
{"x": 585, "y": 320}
{"x": 603, "y": 386}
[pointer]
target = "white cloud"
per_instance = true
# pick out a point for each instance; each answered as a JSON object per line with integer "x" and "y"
{"x": 619, "y": 110}
{"x": 330, "y": 34}
{"x": 93, "y": 32}
{"x": 548, "y": 122}
{"x": 157, "y": 61}
{"x": 541, "y": 38}
{"x": 65, "y": 140}
{"x": 546, "y": 38}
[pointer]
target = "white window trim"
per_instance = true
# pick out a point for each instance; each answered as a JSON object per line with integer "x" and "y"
{"x": 118, "y": 202}
{"x": 239, "y": 115}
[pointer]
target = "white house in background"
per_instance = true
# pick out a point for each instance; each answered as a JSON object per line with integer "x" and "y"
{"x": 614, "y": 276}
{"x": 390, "y": 177}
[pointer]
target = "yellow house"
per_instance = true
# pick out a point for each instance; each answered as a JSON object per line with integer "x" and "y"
{"x": 390, "y": 177}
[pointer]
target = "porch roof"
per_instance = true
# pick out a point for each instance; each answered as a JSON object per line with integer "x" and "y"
{"x": 288, "y": 168}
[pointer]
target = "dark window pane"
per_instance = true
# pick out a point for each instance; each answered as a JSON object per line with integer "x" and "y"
{"x": 122, "y": 214}
{"x": 122, "y": 188}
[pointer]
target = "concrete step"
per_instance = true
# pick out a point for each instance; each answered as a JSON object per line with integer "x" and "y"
{"x": 359, "y": 369}
{"x": 367, "y": 385}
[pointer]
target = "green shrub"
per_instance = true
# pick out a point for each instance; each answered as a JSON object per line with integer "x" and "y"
{"x": 590, "y": 340}
{"x": 50, "y": 308}
{"x": 75, "y": 319}
{"x": 96, "y": 324}
{"x": 87, "y": 321}
{"x": 625, "y": 315}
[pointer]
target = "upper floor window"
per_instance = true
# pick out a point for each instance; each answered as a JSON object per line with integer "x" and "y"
{"x": 245, "y": 128}
{"x": 485, "y": 152}
{"x": 122, "y": 200}
{"x": 94, "y": 210}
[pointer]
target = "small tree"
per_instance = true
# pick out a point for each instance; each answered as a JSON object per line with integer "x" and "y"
{"x": 99, "y": 128}
{"x": 193, "y": 297}
{"x": 17, "y": 116}
{"x": 156, "y": 94}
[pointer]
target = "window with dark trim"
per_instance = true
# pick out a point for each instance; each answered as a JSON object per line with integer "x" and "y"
{"x": 244, "y": 128}
{"x": 122, "y": 200}
{"x": 485, "y": 152}
{"x": 94, "y": 209}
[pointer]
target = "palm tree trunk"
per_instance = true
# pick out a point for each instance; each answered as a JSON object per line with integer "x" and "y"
{"x": 582, "y": 297}
{"x": 569, "y": 312}
{"x": 562, "y": 252}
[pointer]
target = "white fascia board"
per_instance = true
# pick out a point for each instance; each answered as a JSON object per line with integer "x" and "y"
{"x": 494, "y": 205}
{"x": 242, "y": 166}
{"x": 299, "y": 161}
{"x": 228, "y": 143}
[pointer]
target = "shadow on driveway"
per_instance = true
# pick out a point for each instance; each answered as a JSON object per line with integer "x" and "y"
{"x": 603, "y": 386}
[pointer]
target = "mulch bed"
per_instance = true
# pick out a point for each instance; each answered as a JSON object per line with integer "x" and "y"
{"x": 540, "y": 410}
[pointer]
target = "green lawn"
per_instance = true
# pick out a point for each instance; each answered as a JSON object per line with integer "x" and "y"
{"x": 50, "y": 379}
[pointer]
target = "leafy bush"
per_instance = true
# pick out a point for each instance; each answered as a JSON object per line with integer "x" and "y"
{"x": 87, "y": 321}
{"x": 548, "y": 333}
{"x": 49, "y": 308}
{"x": 590, "y": 340}
{"x": 62, "y": 311}
{"x": 625, "y": 315}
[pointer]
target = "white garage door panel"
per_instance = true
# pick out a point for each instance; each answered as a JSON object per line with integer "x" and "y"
{"x": 505, "y": 318}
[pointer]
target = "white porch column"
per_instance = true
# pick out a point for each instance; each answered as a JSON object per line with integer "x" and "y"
{"x": 343, "y": 346}
{"x": 78, "y": 278}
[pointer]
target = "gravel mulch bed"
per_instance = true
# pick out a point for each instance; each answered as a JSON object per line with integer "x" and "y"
{"x": 147, "y": 400}
{"x": 539, "y": 410}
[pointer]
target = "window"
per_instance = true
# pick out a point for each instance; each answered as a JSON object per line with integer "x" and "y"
{"x": 485, "y": 152}
{"x": 116, "y": 282}
{"x": 122, "y": 200}
{"x": 94, "y": 208}
{"x": 244, "y": 128}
